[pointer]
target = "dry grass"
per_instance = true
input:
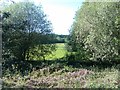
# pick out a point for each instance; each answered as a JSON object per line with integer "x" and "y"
{"x": 60, "y": 78}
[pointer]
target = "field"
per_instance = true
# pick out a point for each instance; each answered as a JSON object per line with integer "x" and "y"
{"x": 62, "y": 74}
{"x": 59, "y": 53}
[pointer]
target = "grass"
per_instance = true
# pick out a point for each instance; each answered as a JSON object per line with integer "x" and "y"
{"x": 54, "y": 76}
{"x": 63, "y": 74}
{"x": 59, "y": 53}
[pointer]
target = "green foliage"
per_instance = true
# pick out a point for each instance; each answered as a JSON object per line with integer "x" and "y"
{"x": 25, "y": 29}
{"x": 95, "y": 31}
{"x": 40, "y": 52}
{"x": 60, "y": 38}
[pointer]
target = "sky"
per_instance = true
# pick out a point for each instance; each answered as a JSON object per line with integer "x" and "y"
{"x": 60, "y": 13}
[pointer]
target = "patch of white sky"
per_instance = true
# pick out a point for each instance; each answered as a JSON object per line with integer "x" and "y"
{"x": 60, "y": 13}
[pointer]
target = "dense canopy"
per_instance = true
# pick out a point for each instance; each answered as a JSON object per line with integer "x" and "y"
{"x": 25, "y": 30}
{"x": 95, "y": 31}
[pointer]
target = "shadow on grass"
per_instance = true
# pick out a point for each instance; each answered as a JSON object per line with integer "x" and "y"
{"x": 24, "y": 67}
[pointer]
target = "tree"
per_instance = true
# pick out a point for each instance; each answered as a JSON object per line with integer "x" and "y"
{"x": 27, "y": 28}
{"x": 94, "y": 30}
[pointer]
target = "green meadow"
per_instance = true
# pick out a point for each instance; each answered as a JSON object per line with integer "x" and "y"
{"x": 59, "y": 53}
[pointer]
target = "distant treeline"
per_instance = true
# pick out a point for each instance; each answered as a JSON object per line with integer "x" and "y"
{"x": 59, "y": 38}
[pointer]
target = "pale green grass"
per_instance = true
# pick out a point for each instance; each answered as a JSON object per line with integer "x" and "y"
{"x": 59, "y": 53}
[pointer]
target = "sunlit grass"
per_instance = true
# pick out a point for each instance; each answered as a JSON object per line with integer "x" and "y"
{"x": 59, "y": 53}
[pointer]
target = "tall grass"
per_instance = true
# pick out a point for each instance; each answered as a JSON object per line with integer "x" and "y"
{"x": 56, "y": 76}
